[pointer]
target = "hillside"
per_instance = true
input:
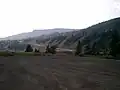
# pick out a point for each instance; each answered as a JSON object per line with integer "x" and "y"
{"x": 36, "y": 33}
{"x": 99, "y": 33}
{"x": 67, "y": 38}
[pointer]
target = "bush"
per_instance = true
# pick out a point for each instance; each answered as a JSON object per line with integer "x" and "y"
{"x": 78, "y": 48}
{"x": 47, "y": 49}
{"x": 29, "y": 48}
{"x": 36, "y": 50}
{"x": 51, "y": 49}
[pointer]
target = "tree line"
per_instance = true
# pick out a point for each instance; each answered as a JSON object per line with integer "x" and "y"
{"x": 49, "y": 49}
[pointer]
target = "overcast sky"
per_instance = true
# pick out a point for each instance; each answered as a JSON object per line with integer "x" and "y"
{"x": 17, "y": 16}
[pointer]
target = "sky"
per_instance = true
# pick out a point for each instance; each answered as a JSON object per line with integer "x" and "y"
{"x": 18, "y": 16}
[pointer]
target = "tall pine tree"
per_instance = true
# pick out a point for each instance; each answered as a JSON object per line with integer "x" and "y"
{"x": 29, "y": 48}
{"x": 94, "y": 48}
{"x": 114, "y": 45}
{"x": 78, "y": 48}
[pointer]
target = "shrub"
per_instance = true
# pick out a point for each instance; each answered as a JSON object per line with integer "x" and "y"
{"x": 29, "y": 48}
{"x": 78, "y": 48}
{"x": 36, "y": 50}
{"x": 47, "y": 49}
{"x": 51, "y": 49}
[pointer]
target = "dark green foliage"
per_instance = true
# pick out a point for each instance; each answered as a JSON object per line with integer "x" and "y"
{"x": 72, "y": 40}
{"x": 51, "y": 49}
{"x": 118, "y": 47}
{"x": 47, "y": 49}
{"x": 94, "y": 48}
{"x": 115, "y": 43}
{"x": 78, "y": 48}
{"x": 36, "y": 50}
{"x": 29, "y": 48}
{"x": 88, "y": 49}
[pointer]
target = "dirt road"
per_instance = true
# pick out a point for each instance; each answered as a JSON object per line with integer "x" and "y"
{"x": 58, "y": 73}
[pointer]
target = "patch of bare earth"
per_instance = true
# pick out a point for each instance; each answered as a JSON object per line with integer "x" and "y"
{"x": 58, "y": 72}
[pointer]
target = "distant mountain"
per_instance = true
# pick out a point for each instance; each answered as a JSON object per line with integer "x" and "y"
{"x": 36, "y": 33}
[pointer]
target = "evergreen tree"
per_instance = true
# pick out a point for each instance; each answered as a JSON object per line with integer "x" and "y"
{"x": 53, "y": 49}
{"x": 47, "y": 49}
{"x": 94, "y": 48}
{"x": 78, "y": 48}
{"x": 88, "y": 49}
{"x": 29, "y": 48}
{"x": 114, "y": 45}
{"x": 36, "y": 50}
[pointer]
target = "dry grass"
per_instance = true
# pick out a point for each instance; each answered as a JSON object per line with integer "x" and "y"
{"x": 58, "y": 72}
